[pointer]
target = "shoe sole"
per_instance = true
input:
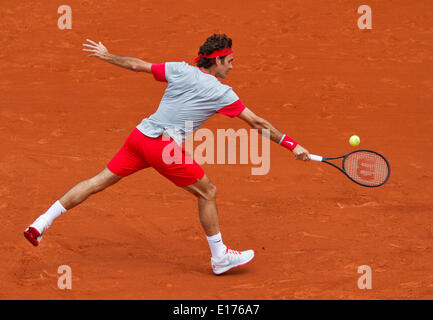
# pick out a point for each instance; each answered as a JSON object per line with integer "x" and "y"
{"x": 31, "y": 234}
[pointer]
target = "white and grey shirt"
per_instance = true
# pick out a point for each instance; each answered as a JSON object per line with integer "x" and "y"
{"x": 191, "y": 97}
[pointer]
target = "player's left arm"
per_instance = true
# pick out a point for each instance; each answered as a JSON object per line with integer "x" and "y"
{"x": 100, "y": 51}
{"x": 261, "y": 124}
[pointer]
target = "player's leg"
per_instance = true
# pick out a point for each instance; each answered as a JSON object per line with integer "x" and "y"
{"x": 72, "y": 198}
{"x": 205, "y": 191}
{"x": 223, "y": 258}
{"x": 124, "y": 163}
{"x": 183, "y": 171}
{"x": 86, "y": 188}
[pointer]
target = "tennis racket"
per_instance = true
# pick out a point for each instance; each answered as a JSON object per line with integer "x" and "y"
{"x": 365, "y": 167}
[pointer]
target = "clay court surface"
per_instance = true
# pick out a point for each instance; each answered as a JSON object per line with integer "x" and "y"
{"x": 303, "y": 65}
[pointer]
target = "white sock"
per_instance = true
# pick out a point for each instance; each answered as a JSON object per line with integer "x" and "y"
{"x": 44, "y": 221}
{"x": 217, "y": 247}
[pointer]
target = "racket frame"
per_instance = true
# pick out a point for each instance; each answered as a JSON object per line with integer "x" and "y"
{"x": 342, "y": 168}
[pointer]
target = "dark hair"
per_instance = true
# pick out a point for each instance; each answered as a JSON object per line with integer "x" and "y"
{"x": 214, "y": 42}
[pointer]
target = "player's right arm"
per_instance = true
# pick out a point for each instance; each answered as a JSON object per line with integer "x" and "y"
{"x": 261, "y": 124}
{"x": 100, "y": 51}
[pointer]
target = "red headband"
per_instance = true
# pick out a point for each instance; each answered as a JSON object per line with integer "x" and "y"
{"x": 216, "y": 53}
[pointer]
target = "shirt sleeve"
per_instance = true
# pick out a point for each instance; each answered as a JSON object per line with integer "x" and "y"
{"x": 233, "y": 110}
{"x": 175, "y": 71}
{"x": 158, "y": 71}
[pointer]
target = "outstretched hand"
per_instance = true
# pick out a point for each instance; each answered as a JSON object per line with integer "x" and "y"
{"x": 97, "y": 49}
{"x": 301, "y": 153}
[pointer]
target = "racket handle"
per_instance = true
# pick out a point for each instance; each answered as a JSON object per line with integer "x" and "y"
{"x": 315, "y": 158}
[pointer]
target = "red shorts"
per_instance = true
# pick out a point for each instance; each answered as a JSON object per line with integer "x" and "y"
{"x": 164, "y": 155}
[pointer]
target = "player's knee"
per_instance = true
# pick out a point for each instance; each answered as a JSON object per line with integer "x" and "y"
{"x": 210, "y": 192}
{"x": 97, "y": 185}
{"x": 102, "y": 181}
{"x": 94, "y": 185}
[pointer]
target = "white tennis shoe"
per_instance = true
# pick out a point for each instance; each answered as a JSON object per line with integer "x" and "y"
{"x": 231, "y": 259}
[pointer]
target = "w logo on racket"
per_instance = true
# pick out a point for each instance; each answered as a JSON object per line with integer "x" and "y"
{"x": 365, "y": 168}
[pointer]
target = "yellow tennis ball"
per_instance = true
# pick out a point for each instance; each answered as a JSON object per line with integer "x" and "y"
{"x": 354, "y": 140}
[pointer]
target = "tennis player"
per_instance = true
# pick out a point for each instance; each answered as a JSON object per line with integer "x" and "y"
{"x": 193, "y": 94}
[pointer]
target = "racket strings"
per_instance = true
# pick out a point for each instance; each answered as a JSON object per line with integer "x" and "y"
{"x": 366, "y": 168}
